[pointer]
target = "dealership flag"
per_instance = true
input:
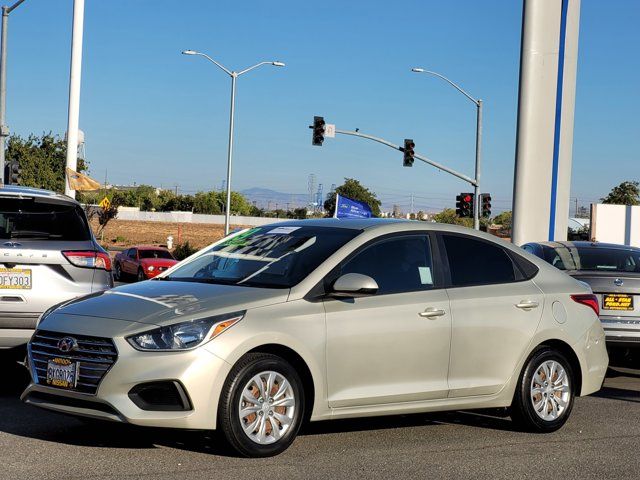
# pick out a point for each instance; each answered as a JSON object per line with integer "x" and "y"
{"x": 347, "y": 208}
{"x": 80, "y": 182}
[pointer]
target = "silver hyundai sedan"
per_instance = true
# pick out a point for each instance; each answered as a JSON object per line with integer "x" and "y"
{"x": 325, "y": 319}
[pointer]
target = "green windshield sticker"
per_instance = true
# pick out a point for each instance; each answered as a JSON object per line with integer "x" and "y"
{"x": 241, "y": 239}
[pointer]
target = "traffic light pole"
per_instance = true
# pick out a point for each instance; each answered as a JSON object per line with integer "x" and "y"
{"x": 474, "y": 182}
{"x": 426, "y": 160}
{"x": 476, "y": 185}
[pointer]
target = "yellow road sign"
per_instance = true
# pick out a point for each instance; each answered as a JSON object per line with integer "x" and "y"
{"x": 105, "y": 203}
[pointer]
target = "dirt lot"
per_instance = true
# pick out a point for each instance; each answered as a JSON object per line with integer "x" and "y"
{"x": 123, "y": 233}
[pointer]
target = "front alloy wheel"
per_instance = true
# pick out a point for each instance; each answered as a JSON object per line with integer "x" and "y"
{"x": 545, "y": 392}
{"x": 262, "y": 405}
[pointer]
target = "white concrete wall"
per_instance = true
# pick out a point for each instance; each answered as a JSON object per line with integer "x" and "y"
{"x": 615, "y": 224}
{"x": 134, "y": 214}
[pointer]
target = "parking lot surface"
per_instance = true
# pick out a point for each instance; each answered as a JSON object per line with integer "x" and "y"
{"x": 601, "y": 439}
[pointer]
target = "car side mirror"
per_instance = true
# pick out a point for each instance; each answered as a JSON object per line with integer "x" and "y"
{"x": 352, "y": 285}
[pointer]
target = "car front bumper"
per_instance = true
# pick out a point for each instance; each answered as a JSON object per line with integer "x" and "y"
{"x": 200, "y": 373}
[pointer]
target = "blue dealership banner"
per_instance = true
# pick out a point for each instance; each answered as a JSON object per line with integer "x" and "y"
{"x": 347, "y": 208}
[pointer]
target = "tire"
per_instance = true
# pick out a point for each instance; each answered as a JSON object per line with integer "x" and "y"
{"x": 141, "y": 277}
{"x": 540, "y": 406}
{"x": 252, "y": 435}
{"x": 117, "y": 272}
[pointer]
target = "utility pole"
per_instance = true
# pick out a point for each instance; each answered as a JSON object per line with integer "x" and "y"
{"x": 74, "y": 92}
{"x": 4, "y": 130}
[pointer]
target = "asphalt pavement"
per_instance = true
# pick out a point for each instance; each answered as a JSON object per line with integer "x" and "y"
{"x": 601, "y": 439}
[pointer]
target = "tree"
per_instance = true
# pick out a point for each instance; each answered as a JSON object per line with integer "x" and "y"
{"x": 448, "y": 215}
{"x": 505, "y": 219}
{"x": 352, "y": 189}
{"x": 43, "y": 160}
{"x": 627, "y": 193}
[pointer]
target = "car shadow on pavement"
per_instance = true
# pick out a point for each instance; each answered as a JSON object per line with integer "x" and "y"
{"x": 17, "y": 418}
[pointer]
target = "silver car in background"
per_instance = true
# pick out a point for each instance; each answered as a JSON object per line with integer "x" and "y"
{"x": 48, "y": 255}
{"x": 613, "y": 272}
{"x": 325, "y": 319}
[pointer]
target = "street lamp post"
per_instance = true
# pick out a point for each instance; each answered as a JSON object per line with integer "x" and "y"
{"x": 478, "y": 103}
{"x": 4, "y": 130}
{"x": 234, "y": 76}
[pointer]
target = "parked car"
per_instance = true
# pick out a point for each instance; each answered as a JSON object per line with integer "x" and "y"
{"x": 613, "y": 272}
{"x": 48, "y": 255}
{"x": 326, "y": 319}
{"x": 142, "y": 262}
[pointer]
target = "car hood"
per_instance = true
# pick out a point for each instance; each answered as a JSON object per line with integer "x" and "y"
{"x": 165, "y": 302}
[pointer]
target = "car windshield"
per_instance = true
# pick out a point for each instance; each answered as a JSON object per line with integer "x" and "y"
{"x": 154, "y": 254}
{"x": 272, "y": 257}
{"x": 26, "y": 218}
{"x": 593, "y": 259}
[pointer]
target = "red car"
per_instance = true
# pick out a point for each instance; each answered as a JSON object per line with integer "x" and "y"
{"x": 143, "y": 262}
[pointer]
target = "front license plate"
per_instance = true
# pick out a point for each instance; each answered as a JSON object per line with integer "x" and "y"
{"x": 617, "y": 301}
{"x": 15, "y": 278}
{"x": 62, "y": 373}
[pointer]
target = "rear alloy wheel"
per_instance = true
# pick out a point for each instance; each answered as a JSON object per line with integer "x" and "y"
{"x": 544, "y": 397}
{"x": 262, "y": 405}
{"x": 141, "y": 276}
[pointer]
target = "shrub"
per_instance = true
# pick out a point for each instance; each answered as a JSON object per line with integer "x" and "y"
{"x": 184, "y": 250}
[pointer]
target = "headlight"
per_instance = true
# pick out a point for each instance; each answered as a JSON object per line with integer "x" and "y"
{"x": 150, "y": 268}
{"x": 184, "y": 335}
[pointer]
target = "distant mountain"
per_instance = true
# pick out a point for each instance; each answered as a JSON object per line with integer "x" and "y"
{"x": 267, "y": 198}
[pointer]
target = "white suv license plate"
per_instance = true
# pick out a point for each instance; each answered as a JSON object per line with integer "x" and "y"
{"x": 62, "y": 373}
{"x": 15, "y": 278}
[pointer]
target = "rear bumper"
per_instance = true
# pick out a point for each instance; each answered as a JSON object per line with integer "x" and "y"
{"x": 16, "y": 328}
{"x": 622, "y": 332}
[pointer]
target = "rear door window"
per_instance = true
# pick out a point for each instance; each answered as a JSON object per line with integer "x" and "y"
{"x": 30, "y": 218}
{"x": 476, "y": 262}
{"x": 400, "y": 264}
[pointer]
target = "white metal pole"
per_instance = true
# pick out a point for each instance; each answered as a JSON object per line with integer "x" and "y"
{"x": 74, "y": 91}
{"x": 227, "y": 213}
{"x": 477, "y": 207}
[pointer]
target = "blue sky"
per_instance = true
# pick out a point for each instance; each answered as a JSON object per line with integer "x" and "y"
{"x": 151, "y": 115}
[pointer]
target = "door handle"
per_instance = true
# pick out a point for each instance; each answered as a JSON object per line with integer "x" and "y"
{"x": 432, "y": 312}
{"x": 527, "y": 304}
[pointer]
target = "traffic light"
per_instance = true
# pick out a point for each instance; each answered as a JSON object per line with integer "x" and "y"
{"x": 485, "y": 203}
{"x": 464, "y": 205}
{"x": 12, "y": 173}
{"x": 318, "y": 131}
{"x": 409, "y": 152}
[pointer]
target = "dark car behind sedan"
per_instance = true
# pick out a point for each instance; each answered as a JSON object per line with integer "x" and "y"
{"x": 613, "y": 272}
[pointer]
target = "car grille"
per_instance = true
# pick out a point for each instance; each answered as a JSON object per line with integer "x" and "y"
{"x": 94, "y": 355}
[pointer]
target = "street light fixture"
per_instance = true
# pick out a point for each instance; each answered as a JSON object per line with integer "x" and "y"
{"x": 234, "y": 75}
{"x": 478, "y": 104}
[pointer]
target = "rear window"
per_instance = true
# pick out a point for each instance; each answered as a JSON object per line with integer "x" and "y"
{"x": 593, "y": 259}
{"x": 154, "y": 254}
{"x": 37, "y": 220}
{"x": 476, "y": 262}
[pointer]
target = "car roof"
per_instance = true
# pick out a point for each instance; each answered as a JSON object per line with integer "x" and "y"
{"x": 388, "y": 224}
{"x": 30, "y": 192}
{"x": 586, "y": 244}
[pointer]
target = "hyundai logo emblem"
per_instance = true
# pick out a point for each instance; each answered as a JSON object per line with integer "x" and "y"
{"x": 618, "y": 282}
{"x": 67, "y": 344}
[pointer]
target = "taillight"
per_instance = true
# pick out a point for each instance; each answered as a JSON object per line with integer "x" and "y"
{"x": 588, "y": 299}
{"x": 88, "y": 259}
